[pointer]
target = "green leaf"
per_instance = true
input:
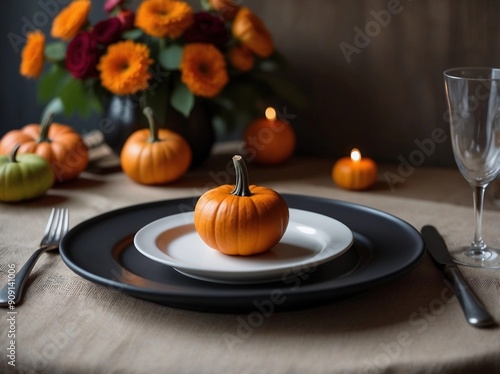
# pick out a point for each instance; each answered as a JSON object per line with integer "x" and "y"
{"x": 55, "y": 106}
{"x": 205, "y": 5}
{"x": 55, "y": 51}
{"x": 170, "y": 57}
{"x": 157, "y": 99}
{"x": 76, "y": 96}
{"x": 94, "y": 103}
{"x": 182, "y": 99}
{"x": 72, "y": 95}
{"x": 275, "y": 62}
{"x": 236, "y": 106}
{"x": 133, "y": 34}
{"x": 51, "y": 82}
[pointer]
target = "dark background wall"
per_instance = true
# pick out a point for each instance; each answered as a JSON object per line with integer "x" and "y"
{"x": 18, "y": 95}
{"x": 382, "y": 92}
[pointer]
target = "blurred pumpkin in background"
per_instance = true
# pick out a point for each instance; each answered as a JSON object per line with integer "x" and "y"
{"x": 23, "y": 177}
{"x": 59, "y": 144}
{"x": 155, "y": 156}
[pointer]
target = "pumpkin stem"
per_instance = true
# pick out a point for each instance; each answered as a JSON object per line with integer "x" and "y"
{"x": 242, "y": 187}
{"x": 44, "y": 128}
{"x": 13, "y": 154}
{"x": 153, "y": 125}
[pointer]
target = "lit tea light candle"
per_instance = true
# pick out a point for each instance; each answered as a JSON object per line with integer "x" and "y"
{"x": 355, "y": 172}
{"x": 270, "y": 114}
{"x": 269, "y": 140}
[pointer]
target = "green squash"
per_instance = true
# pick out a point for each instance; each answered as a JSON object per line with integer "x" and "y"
{"x": 24, "y": 176}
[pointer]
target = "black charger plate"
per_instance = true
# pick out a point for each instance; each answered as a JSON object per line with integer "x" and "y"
{"x": 101, "y": 250}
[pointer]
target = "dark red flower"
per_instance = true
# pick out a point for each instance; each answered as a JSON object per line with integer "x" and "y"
{"x": 108, "y": 31}
{"x": 109, "y": 5}
{"x": 127, "y": 18}
{"x": 207, "y": 28}
{"x": 82, "y": 56}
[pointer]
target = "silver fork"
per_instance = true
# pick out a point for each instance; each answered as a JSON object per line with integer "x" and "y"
{"x": 57, "y": 227}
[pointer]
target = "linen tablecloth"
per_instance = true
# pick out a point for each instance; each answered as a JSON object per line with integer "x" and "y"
{"x": 412, "y": 324}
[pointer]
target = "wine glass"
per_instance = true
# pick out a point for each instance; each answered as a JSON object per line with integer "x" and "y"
{"x": 473, "y": 96}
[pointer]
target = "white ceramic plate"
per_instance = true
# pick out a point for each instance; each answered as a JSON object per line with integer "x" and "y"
{"x": 310, "y": 239}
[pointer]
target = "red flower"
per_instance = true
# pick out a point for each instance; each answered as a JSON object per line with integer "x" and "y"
{"x": 127, "y": 18}
{"x": 82, "y": 56}
{"x": 109, "y": 5}
{"x": 108, "y": 31}
{"x": 207, "y": 28}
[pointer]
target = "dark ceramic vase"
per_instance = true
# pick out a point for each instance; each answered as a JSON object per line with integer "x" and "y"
{"x": 120, "y": 120}
{"x": 197, "y": 129}
{"x": 123, "y": 117}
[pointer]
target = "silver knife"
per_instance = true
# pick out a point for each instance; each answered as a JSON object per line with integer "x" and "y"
{"x": 474, "y": 311}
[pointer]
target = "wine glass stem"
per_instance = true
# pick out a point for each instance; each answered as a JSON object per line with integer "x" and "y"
{"x": 478, "y": 195}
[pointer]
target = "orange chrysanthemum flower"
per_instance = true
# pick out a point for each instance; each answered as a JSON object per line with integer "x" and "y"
{"x": 241, "y": 57}
{"x": 161, "y": 18}
{"x": 226, "y": 8}
{"x": 251, "y": 31}
{"x": 71, "y": 20}
{"x": 203, "y": 69}
{"x": 125, "y": 68}
{"x": 32, "y": 56}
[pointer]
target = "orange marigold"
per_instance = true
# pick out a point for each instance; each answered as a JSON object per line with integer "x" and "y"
{"x": 71, "y": 20}
{"x": 241, "y": 57}
{"x": 161, "y": 18}
{"x": 125, "y": 68}
{"x": 226, "y": 8}
{"x": 203, "y": 69}
{"x": 252, "y": 32}
{"x": 32, "y": 56}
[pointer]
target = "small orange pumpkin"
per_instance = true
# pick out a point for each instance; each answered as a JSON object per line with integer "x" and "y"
{"x": 241, "y": 219}
{"x": 269, "y": 141}
{"x": 155, "y": 156}
{"x": 59, "y": 144}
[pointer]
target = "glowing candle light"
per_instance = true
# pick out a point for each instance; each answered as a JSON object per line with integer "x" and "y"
{"x": 355, "y": 172}
{"x": 270, "y": 114}
{"x": 269, "y": 140}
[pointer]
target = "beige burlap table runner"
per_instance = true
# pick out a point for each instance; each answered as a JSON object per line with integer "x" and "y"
{"x": 412, "y": 324}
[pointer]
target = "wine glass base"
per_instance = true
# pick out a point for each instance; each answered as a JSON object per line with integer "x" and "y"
{"x": 488, "y": 258}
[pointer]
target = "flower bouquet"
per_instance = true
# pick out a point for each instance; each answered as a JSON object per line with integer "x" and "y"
{"x": 164, "y": 53}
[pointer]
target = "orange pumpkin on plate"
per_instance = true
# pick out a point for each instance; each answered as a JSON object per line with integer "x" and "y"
{"x": 241, "y": 219}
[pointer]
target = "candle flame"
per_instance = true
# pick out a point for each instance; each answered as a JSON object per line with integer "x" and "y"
{"x": 270, "y": 114}
{"x": 355, "y": 155}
